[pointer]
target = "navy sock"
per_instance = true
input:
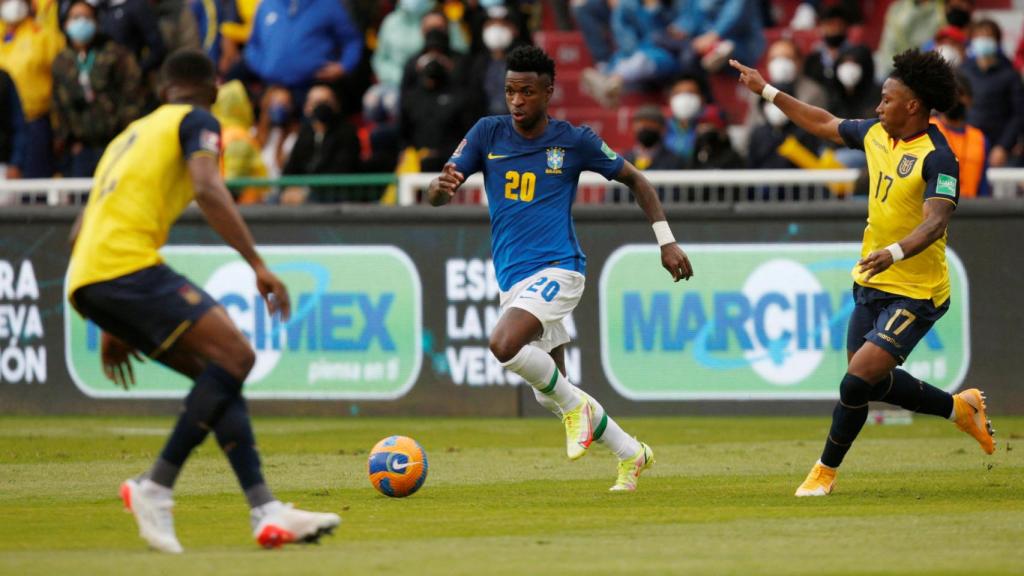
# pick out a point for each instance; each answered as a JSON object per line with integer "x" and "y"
{"x": 847, "y": 419}
{"x": 905, "y": 391}
{"x": 235, "y": 436}
{"x": 213, "y": 390}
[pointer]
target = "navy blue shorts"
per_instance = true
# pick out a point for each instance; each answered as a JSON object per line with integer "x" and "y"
{"x": 893, "y": 322}
{"x": 149, "y": 309}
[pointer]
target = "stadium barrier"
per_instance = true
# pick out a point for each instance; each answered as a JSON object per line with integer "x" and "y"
{"x": 393, "y": 307}
{"x": 675, "y": 187}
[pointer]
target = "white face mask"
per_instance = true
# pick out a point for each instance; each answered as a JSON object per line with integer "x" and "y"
{"x": 13, "y": 11}
{"x": 685, "y": 105}
{"x": 950, "y": 54}
{"x": 782, "y": 70}
{"x": 774, "y": 116}
{"x": 497, "y": 37}
{"x": 849, "y": 74}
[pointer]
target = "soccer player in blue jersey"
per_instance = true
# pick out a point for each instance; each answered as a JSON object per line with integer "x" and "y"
{"x": 901, "y": 283}
{"x": 531, "y": 165}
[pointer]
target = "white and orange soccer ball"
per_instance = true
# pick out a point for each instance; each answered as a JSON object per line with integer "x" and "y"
{"x": 398, "y": 466}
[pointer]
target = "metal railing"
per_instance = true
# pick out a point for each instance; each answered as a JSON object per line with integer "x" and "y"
{"x": 674, "y": 187}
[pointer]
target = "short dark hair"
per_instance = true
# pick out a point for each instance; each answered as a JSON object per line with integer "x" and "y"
{"x": 928, "y": 76}
{"x": 188, "y": 66}
{"x": 531, "y": 59}
{"x": 992, "y": 26}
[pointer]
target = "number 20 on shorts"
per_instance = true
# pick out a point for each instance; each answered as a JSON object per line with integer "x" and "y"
{"x": 549, "y": 292}
{"x": 520, "y": 186}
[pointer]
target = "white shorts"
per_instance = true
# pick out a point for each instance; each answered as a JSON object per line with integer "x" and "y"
{"x": 550, "y": 295}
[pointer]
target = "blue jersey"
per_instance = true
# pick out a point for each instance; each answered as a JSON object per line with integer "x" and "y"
{"x": 531, "y": 185}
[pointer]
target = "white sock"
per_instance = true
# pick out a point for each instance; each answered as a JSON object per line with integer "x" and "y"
{"x": 155, "y": 491}
{"x": 614, "y": 437}
{"x": 538, "y": 368}
{"x": 952, "y": 412}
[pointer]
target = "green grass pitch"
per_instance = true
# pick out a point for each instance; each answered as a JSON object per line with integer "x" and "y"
{"x": 501, "y": 498}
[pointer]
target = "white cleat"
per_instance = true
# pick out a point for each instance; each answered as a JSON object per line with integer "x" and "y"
{"x": 153, "y": 515}
{"x": 282, "y": 524}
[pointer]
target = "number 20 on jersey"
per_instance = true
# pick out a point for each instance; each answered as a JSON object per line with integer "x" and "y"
{"x": 520, "y": 187}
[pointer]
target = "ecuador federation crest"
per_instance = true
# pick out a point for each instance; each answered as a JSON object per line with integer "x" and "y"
{"x": 556, "y": 158}
{"x": 906, "y": 165}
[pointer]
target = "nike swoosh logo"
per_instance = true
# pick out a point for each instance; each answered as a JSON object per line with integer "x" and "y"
{"x": 491, "y": 156}
{"x": 403, "y": 465}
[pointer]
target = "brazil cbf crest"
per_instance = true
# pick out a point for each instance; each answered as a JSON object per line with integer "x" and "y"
{"x": 906, "y": 165}
{"x": 556, "y": 158}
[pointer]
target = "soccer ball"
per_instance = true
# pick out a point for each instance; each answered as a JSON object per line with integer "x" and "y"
{"x": 398, "y": 466}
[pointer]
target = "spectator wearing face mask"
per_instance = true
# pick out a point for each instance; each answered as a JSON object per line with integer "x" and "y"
{"x": 713, "y": 149}
{"x": 327, "y": 144}
{"x": 951, "y": 44}
{"x": 784, "y": 72}
{"x": 650, "y": 152}
{"x": 436, "y": 110}
{"x": 854, "y": 92}
{"x": 400, "y": 38}
{"x": 475, "y": 19}
{"x": 27, "y": 50}
{"x": 832, "y": 29}
{"x": 967, "y": 142}
{"x": 687, "y": 99}
{"x": 908, "y": 24}
{"x": 437, "y": 40}
{"x": 277, "y": 129}
{"x": 487, "y": 71}
{"x": 97, "y": 91}
{"x": 997, "y": 107}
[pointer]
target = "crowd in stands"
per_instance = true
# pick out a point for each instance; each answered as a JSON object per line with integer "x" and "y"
{"x": 356, "y": 86}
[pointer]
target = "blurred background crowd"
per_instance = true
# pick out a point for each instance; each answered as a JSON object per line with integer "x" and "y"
{"x": 314, "y": 87}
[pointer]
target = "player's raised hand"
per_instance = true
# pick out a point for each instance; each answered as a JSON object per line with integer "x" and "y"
{"x": 676, "y": 262}
{"x": 749, "y": 77}
{"x": 450, "y": 179}
{"x": 274, "y": 292}
{"x": 875, "y": 263}
{"x": 116, "y": 356}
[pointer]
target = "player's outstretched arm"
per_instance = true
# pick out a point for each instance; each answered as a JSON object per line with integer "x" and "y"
{"x": 443, "y": 188}
{"x": 811, "y": 118}
{"x": 672, "y": 256}
{"x": 937, "y": 213}
{"x": 217, "y": 204}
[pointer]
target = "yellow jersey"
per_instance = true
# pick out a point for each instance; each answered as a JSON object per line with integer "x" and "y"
{"x": 140, "y": 187}
{"x": 903, "y": 174}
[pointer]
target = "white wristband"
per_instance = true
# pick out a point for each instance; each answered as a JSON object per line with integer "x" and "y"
{"x": 769, "y": 92}
{"x": 896, "y": 251}
{"x": 663, "y": 233}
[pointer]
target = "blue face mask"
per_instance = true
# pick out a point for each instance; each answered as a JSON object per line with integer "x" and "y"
{"x": 984, "y": 46}
{"x": 81, "y": 30}
{"x": 278, "y": 115}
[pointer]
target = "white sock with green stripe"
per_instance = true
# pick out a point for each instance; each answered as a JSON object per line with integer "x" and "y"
{"x": 606, "y": 430}
{"x": 536, "y": 367}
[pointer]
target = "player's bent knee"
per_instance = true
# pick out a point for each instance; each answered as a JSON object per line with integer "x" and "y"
{"x": 504, "y": 349}
{"x": 854, "y": 392}
{"x": 215, "y": 389}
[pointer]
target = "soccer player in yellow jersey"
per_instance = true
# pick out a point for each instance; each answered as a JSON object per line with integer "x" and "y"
{"x": 147, "y": 176}
{"x": 901, "y": 283}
